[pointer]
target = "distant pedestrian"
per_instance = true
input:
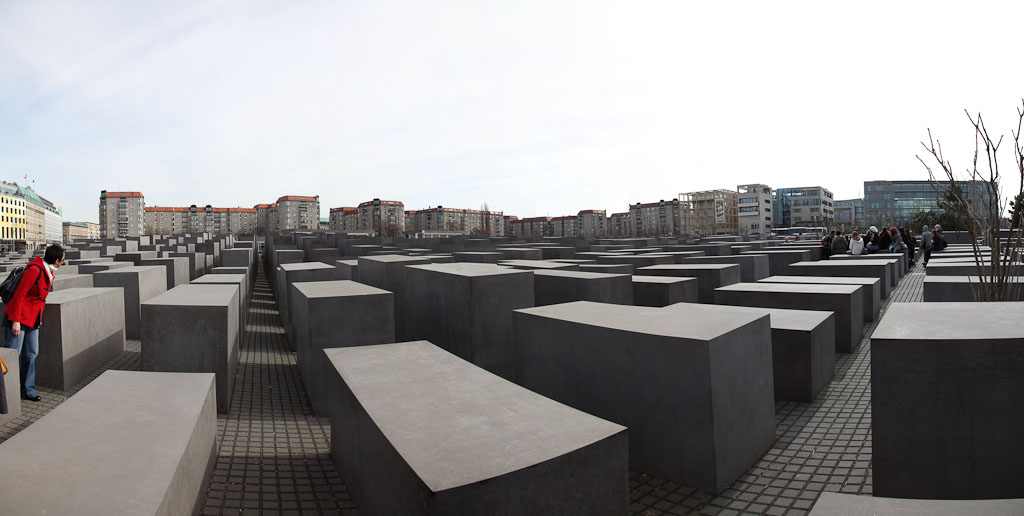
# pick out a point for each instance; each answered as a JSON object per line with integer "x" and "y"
{"x": 24, "y": 314}
{"x": 856, "y": 244}
{"x": 938, "y": 241}
{"x": 839, "y": 245}
{"x": 884, "y": 240}
{"x": 926, "y": 243}
{"x": 871, "y": 240}
{"x": 826, "y": 245}
{"x": 896, "y": 244}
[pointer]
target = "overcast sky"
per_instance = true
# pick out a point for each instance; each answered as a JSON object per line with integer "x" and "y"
{"x": 536, "y": 108}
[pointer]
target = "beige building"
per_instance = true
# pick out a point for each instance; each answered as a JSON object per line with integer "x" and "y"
{"x": 385, "y": 218}
{"x": 656, "y": 218}
{"x": 507, "y": 222}
{"x": 345, "y": 218}
{"x": 263, "y": 225}
{"x": 455, "y": 220}
{"x": 73, "y": 231}
{"x": 296, "y": 212}
{"x": 162, "y": 220}
{"x": 591, "y": 224}
{"x": 754, "y": 213}
{"x": 619, "y": 225}
{"x": 533, "y": 227}
{"x": 122, "y": 214}
{"x": 563, "y": 227}
{"x": 711, "y": 212}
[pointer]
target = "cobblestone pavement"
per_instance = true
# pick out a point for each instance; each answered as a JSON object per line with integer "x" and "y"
{"x": 274, "y": 456}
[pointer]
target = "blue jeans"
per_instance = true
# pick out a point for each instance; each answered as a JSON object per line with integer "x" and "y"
{"x": 27, "y": 344}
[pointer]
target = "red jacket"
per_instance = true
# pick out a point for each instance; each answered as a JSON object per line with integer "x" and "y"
{"x": 26, "y": 306}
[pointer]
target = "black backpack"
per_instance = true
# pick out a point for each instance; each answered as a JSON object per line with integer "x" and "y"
{"x": 10, "y": 284}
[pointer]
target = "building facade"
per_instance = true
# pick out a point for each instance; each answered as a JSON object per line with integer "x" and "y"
{"x": 591, "y": 224}
{"x": 13, "y": 225}
{"x": 754, "y": 209}
{"x": 122, "y": 214}
{"x": 54, "y": 222}
{"x": 455, "y": 221}
{"x": 710, "y": 212}
{"x": 161, "y": 220}
{"x": 532, "y": 227}
{"x": 297, "y": 212}
{"x": 73, "y": 231}
{"x": 385, "y": 218}
{"x": 808, "y": 206}
{"x": 564, "y": 227}
{"x": 35, "y": 218}
{"x": 619, "y": 225}
{"x": 263, "y": 218}
{"x": 894, "y": 203}
{"x": 657, "y": 218}
{"x": 508, "y": 221}
{"x": 849, "y": 215}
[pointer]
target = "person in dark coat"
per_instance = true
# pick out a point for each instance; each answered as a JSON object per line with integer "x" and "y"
{"x": 24, "y": 314}
{"x": 884, "y": 241}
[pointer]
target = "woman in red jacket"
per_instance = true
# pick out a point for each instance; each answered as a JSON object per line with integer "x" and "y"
{"x": 24, "y": 313}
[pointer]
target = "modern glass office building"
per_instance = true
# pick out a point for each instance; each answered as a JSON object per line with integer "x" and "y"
{"x": 896, "y": 202}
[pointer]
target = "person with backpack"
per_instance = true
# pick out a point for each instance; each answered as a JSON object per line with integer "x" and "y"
{"x": 24, "y": 312}
{"x": 839, "y": 244}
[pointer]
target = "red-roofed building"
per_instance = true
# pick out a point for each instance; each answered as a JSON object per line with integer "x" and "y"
{"x": 477, "y": 222}
{"x": 122, "y": 214}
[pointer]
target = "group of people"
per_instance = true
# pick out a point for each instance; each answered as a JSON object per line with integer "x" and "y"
{"x": 23, "y": 315}
{"x": 893, "y": 240}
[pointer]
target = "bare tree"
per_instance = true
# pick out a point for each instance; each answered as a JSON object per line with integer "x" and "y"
{"x": 997, "y": 266}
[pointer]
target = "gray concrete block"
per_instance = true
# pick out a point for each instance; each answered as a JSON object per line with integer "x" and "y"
{"x": 196, "y": 263}
{"x": 67, "y": 281}
{"x": 481, "y": 445}
{"x": 346, "y": 270}
{"x": 637, "y": 261}
{"x": 194, "y": 329}
{"x": 753, "y": 267}
{"x": 92, "y": 268}
{"x": 709, "y": 276}
{"x": 556, "y": 252}
{"x": 250, "y": 275}
{"x": 388, "y": 272}
{"x": 66, "y": 270}
{"x": 466, "y": 309}
{"x": 872, "y": 289}
{"x": 779, "y": 260}
{"x": 134, "y": 257}
{"x": 239, "y": 281}
{"x": 292, "y": 273}
{"x": 84, "y": 331}
{"x": 521, "y": 253}
{"x": 176, "y": 269}
{"x": 838, "y": 504}
{"x": 681, "y": 256}
{"x": 478, "y": 257}
{"x": 962, "y": 289}
{"x": 846, "y": 301}
{"x": 941, "y": 268}
{"x": 608, "y": 268}
{"x": 336, "y": 314}
{"x": 946, "y": 401}
{"x": 841, "y": 269}
{"x": 663, "y": 290}
{"x": 12, "y": 384}
{"x": 555, "y": 286}
{"x": 138, "y": 284}
{"x": 237, "y": 258}
{"x": 693, "y": 386}
{"x": 129, "y": 443}
{"x": 540, "y": 265}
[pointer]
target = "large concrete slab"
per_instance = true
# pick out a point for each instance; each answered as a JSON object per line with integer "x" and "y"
{"x": 418, "y": 431}
{"x": 753, "y": 267}
{"x": 946, "y": 401}
{"x": 608, "y": 268}
{"x": 196, "y": 263}
{"x": 194, "y": 329}
{"x": 539, "y": 265}
{"x": 336, "y": 314}
{"x": 466, "y": 309}
{"x": 66, "y": 281}
{"x": 250, "y": 275}
{"x": 84, "y": 331}
{"x": 839, "y": 504}
{"x": 134, "y": 257}
{"x": 965, "y": 289}
{"x": 942, "y": 268}
{"x": 239, "y": 281}
{"x": 521, "y": 253}
{"x": 237, "y": 258}
{"x": 12, "y": 385}
{"x": 388, "y": 272}
{"x": 92, "y": 268}
{"x": 636, "y": 260}
{"x": 292, "y": 273}
{"x": 803, "y": 350}
{"x": 840, "y": 269}
{"x": 554, "y": 286}
{"x": 128, "y": 444}
{"x": 709, "y": 276}
{"x": 347, "y": 270}
{"x": 663, "y": 290}
{"x": 846, "y": 301}
{"x": 693, "y": 386}
{"x": 778, "y": 261}
{"x": 177, "y": 269}
{"x": 138, "y": 285}
{"x": 479, "y": 257}
{"x": 872, "y": 286}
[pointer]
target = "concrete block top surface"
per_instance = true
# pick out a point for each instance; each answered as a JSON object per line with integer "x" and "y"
{"x": 976, "y": 321}
{"x": 196, "y": 295}
{"x": 662, "y": 279}
{"x": 337, "y": 288}
{"x": 454, "y": 423}
{"x": 839, "y": 504}
{"x": 470, "y": 269}
{"x": 578, "y": 275}
{"x": 217, "y": 279}
{"x": 74, "y": 294}
{"x": 304, "y": 266}
{"x": 965, "y": 278}
{"x": 137, "y": 269}
{"x": 394, "y": 258}
{"x": 781, "y": 318}
{"x": 536, "y": 264}
{"x": 690, "y": 267}
{"x": 841, "y": 263}
{"x": 696, "y": 321}
{"x": 838, "y": 280}
{"x": 350, "y": 263}
{"x": 792, "y": 288}
{"x": 80, "y": 458}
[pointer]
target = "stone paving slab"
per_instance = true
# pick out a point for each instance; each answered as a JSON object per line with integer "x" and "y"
{"x": 274, "y": 453}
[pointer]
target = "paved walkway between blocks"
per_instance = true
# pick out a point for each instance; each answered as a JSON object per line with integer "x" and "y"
{"x": 274, "y": 456}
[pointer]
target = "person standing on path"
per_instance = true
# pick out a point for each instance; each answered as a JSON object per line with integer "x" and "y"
{"x": 926, "y": 244}
{"x": 24, "y": 314}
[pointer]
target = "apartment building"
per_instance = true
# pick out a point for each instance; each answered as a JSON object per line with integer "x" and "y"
{"x": 657, "y": 218}
{"x": 564, "y": 227}
{"x": 806, "y": 206}
{"x": 297, "y": 212}
{"x": 385, "y": 218}
{"x": 13, "y": 225}
{"x": 73, "y": 231}
{"x": 162, "y": 220}
{"x": 455, "y": 220}
{"x": 533, "y": 227}
{"x": 754, "y": 212}
{"x": 122, "y": 214}
{"x": 507, "y": 223}
{"x": 339, "y": 218}
{"x": 263, "y": 225}
{"x": 35, "y": 218}
{"x": 619, "y": 225}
